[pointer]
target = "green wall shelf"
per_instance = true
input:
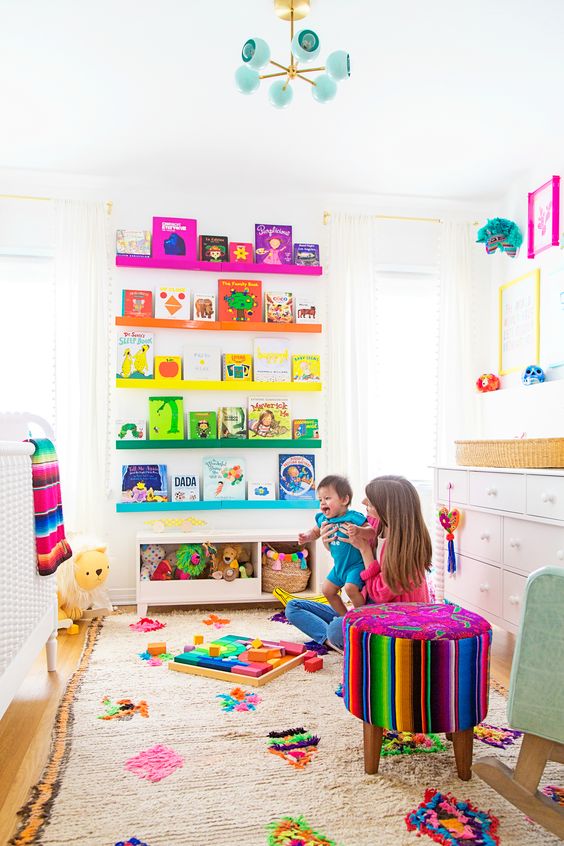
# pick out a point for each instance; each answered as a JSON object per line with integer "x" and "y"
{"x": 229, "y": 504}
{"x": 297, "y": 445}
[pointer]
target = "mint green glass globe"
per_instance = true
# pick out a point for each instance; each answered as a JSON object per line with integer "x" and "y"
{"x": 324, "y": 89}
{"x": 280, "y": 96}
{"x": 338, "y": 65}
{"x": 255, "y": 53}
{"x": 247, "y": 79}
{"x": 305, "y": 45}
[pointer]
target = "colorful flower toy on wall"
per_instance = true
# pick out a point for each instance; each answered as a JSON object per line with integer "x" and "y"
{"x": 533, "y": 375}
{"x": 487, "y": 382}
{"x": 500, "y": 234}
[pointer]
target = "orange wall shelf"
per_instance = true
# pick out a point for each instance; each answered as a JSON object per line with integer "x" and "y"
{"x": 211, "y": 325}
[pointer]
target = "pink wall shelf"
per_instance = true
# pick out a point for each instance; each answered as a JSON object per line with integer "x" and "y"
{"x": 219, "y": 266}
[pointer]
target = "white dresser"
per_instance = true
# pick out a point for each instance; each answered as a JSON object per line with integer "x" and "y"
{"x": 512, "y": 522}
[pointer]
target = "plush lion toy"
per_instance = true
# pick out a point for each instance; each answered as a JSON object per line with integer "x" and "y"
{"x": 80, "y": 580}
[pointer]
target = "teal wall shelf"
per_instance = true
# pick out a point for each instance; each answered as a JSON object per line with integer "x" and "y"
{"x": 294, "y": 444}
{"x": 239, "y": 504}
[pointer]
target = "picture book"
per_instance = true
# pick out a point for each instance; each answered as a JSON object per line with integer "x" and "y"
{"x": 213, "y": 248}
{"x": 168, "y": 368}
{"x": 184, "y": 487}
{"x": 278, "y": 307}
{"x": 166, "y": 418}
{"x": 201, "y": 362}
{"x": 240, "y": 252}
{"x": 306, "y": 428}
{"x": 203, "y": 424}
{"x": 174, "y": 238}
{"x": 271, "y": 360}
{"x": 261, "y": 490}
{"x": 133, "y": 242}
{"x": 273, "y": 244}
{"x": 306, "y": 368}
{"x": 134, "y": 355}
{"x": 231, "y": 422}
{"x": 237, "y": 367}
{"x": 136, "y": 303}
{"x": 204, "y": 307}
{"x": 306, "y": 254}
{"x": 172, "y": 303}
{"x": 143, "y": 483}
{"x": 297, "y": 476}
{"x": 223, "y": 478}
{"x": 269, "y": 417}
{"x": 130, "y": 430}
{"x": 306, "y": 311}
{"x": 240, "y": 300}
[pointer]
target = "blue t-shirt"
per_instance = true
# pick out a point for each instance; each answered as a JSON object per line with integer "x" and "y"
{"x": 344, "y": 555}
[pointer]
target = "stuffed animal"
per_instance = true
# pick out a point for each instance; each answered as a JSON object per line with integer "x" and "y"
{"x": 151, "y": 556}
{"x": 163, "y": 572}
{"x": 80, "y": 580}
{"x": 231, "y": 562}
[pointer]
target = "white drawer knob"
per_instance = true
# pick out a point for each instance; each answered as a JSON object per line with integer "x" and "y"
{"x": 560, "y": 554}
{"x": 514, "y": 544}
{"x": 484, "y": 588}
{"x": 484, "y": 536}
{"x": 514, "y": 600}
{"x": 546, "y": 497}
{"x": 491, "y": 491}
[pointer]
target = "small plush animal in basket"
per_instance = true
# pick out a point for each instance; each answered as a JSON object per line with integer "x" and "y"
{"x": 80, "y": 581}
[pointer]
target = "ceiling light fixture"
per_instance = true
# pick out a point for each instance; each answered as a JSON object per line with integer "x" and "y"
{"x": 304, "y": 47}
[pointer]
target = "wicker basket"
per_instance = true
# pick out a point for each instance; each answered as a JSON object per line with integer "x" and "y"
{"x": 526, "y": 452}
{"x": 291, "y": 577}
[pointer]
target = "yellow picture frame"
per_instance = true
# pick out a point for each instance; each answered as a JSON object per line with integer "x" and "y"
{"x": 519, "y": 323}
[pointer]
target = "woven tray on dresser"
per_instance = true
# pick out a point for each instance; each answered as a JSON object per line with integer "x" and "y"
{"x": 524, "y": 452}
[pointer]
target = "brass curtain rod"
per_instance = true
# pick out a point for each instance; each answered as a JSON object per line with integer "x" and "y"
{"x": 109, "y": 203}
{"x": 327, "y": 215}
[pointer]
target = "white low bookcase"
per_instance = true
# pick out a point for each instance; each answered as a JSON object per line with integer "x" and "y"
{"x": 214, "y": 591}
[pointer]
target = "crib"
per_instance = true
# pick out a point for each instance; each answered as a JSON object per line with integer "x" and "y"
{"x": 28, "y": 601}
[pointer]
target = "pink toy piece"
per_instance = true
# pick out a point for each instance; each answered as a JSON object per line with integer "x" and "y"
{"x": 310, "y": 654}
{"x": 154, "y": 662}
{"x": 254, "y": 670}
{"x": 188, "y": 647}
{"x": 312, "y": 665}
{"x": 292, "y": 648}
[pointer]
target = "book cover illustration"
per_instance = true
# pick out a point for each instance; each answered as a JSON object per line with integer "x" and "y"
{"x": 202, "y": 363}
{"x": 214, "y": 248}
{"x": 133, "y": 242}
{"x": 269, "y": 417}
{"x": 306, "y": 255}
{"x": 273, "y": 244}
{"x": 136, "y": 303}
{"x": 306, "y": 311}
{"x": 237, "y": 367}
{"x": 130, "y": 430}
{"x": 306, "y": 368}
{"x": 306, "y": 428}
{"x": 203, "y": 425}
{"x": 204, "y": 307}
{"x": 271, "y": 360}
{"x": 168, "y": 368}
{"x": 240, "y": 300}
{"x": 231, "y": 422}
{"x": 172, "y": 303}
{"x": 278, "y": 307}
{"x": 174, "y": 237}
{"x": 261, "y": 490}
{"x": 143, "y": 483}
{"x": 166, "y": 418}
{"x": 184, "y": 487}
{"x": 134, "y": 355}
{"x": 223, "y": 478}
{"x": 240, "y": 252}
{"x": 297, "y": 476}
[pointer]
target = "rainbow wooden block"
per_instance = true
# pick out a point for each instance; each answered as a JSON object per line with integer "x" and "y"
{"x": 156, "y": 648}
{"x": 198, "y": 639}
{"x": 312, "y": 665}
{"x": 230, "y": 658}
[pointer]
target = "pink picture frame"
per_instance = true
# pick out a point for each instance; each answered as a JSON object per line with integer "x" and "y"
{"x": 544, "y": 217}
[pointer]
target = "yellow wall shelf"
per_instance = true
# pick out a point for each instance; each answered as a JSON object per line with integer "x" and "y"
{"x": 212, "y": 385}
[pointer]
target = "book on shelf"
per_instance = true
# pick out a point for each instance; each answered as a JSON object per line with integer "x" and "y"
{"x": 269, "y": 417}
{"x": 134, "y": 355}
{"x": 131, "y": 429}
{"x": 223, "y": 478}
{"x": 213, "y": 248}
{"x": 261, "y": 490}
{"x": 307, "y": 427}
{"x": 136, "y": 303}
{"x": 231, "y": 422}
{"x": 306, "y": 255}
{"x": 240, "y": 252}
{"x": 271, "y": 360}
{"x": 278, "y": 307}
{"x": 174, "y": 238}
{"x": 306, "y": 368}
{"x": 296, "y": 476}
{"x": 135, "y": 243}
{"x": 168, "y": 368}
{"x": 273, "y": 243}
{"x": 172, "y": 302}
{"x": 203, "y": 424}
{"x": 237, "y": 367}
{"x": 184, "y": 487}
{"x": 306, "y": 311}
{"x": 166, "y": 418}
{"x": 240, "y": 300}
{"x": 144, "y": 483}
{"x": 201, "y": 363}
{"x": 204, "y": 307}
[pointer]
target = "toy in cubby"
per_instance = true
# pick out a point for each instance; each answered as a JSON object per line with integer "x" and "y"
{"x": 231, "y": 561}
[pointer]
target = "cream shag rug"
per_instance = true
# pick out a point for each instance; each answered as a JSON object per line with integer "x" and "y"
{"x": 229, "y": 786}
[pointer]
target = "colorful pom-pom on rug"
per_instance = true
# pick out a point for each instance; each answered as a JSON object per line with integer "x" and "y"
{"x": 145, "y": 624}
{"x": 296, "y": 746}
{"x": 409, "y": 743}
{"x": 239, "y": 700}
{"x": 155, "y": 763}
{"x": 279, "y": 617}
{"x": 448, "y": 821}
{"x": 295, "y": 831}
{"x": 133, "y": 841}
{"x": 496, "y": 736}
{"x": 554, "y": 793}
{"x": 215, "y": 621}
{"x": 123, "y": 709}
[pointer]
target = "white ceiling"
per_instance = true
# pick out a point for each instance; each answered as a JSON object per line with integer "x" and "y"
{"x": 445, "y": 99}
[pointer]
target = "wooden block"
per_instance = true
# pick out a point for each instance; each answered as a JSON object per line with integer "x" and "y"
{"x": 259, "y": 655}
{"x": 310, "y": 654}
{"x": 312, "y": 665}
{"x": 293, "y": 648}
{"x": 256, "y": 644}
{"x": 188, "y": 647}
{"x": 214, "y": 650}
{"x": 273, "y": 653}
{"x": 198, "y": 639}
{"x": 156, "y": 648}
{"x": 254, "y": 670}
{"x": 235, "y": 676}
{"x": 243, "y": 657}
{"x": 274, "y": 662}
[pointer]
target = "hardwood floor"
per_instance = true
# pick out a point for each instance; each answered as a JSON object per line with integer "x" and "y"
{"x": 25, "y": 729}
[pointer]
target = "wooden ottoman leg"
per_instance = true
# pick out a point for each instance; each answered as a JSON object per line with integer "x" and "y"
{"x": 372, "y": 746}
{"x": 463, "y": 744}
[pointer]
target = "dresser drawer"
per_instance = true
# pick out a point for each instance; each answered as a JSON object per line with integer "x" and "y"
{"x": 477, "y": 583}
{"x": 453, "y": 482}
{"x": 545, "y": 496}
{"x": 513, "y": 591}
{"x": 528, "y": 546}
{"x": 479, "y": 535}
{"x": 502, "y": 491}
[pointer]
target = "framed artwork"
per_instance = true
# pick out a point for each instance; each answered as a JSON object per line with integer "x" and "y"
{"x": 519, "y": 323}
{"x": 544, "y": 214}
{"x": 552, "y": 318}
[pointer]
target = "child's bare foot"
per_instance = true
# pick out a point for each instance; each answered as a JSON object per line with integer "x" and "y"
{"x": 333, "y": 646}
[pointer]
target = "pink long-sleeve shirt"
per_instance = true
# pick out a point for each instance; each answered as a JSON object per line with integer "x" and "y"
{"x": 376, "y": 589}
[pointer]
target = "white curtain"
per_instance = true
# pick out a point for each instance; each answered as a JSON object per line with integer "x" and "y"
{"x": 352, "y": 347}
{"x": 81, "y": 356}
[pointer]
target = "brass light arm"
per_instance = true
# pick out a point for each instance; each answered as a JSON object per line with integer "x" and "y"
{"x": 277, "y": 65}
{"x": 270, "y": 75}
{"x": 311, "y": 70}
{"x": 305, "y": 78}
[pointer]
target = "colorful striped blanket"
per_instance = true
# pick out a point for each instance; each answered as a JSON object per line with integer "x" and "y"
{"x": 52, "y": 546}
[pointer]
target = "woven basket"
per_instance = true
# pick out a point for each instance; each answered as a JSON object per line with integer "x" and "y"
{"x": 291, "y": 577}
{"x": 526, "y": 452}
